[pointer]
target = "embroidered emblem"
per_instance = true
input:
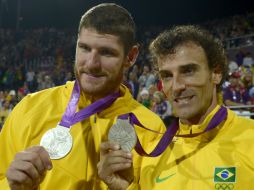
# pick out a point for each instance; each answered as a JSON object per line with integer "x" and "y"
{"x": 224, "y": 186}
{"x": 159, "y": 180}
{"x": 225, "y": 174}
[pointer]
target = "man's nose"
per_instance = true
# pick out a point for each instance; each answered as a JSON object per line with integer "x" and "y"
{"x": 178, "y": 84}
{"x": 93, "y": 60}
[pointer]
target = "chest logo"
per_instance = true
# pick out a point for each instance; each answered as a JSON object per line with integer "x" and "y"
{"x": 159, "y": 180}
{"x": 225, "y": 174}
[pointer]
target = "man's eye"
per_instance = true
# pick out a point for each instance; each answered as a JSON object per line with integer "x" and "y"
{"x": 84, "y": 48}
{"x": 166, "y": 77}
{"x": 189, "y": 70}
{"x": 107, "y": 53}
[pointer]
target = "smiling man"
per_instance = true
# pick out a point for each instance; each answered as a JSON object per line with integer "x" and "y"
{"x": 212, "y": 143}
{"x": 52, "y": 138}
{"x": 212, "y": 147}
{"x": 188, "y": 82}
{"x": 100, "y": 62}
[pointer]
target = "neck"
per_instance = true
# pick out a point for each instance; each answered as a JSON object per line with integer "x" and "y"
{"x": 93, "y": 98}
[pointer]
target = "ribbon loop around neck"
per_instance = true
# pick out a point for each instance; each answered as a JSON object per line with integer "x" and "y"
{"x": 70, "y": 117}
{"x": 168, "y": 136}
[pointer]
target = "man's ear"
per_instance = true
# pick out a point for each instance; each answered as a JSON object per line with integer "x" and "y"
{"x": 132, "y": 56}
{"x": 217, "y": 77}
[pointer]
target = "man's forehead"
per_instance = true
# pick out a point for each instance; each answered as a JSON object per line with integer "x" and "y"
{"x": 188, "y": 52}
{"x": 88, "y": 36}
{"x": 95, "y": 32}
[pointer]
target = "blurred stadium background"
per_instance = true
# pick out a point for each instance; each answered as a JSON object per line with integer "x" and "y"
{"x": 37, "y": 46}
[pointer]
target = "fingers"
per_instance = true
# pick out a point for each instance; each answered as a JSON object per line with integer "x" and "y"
{"x": 18, "y": 179}
{"x": 119, "y": 156}
{"x": 116, "y": 161}
{"x": 113, "y": 168}
{"x": 28, "y": 168}
{"x": 113, "y": 159}
{"x": 43, "y": 155}
{"x": 107, "y": 146}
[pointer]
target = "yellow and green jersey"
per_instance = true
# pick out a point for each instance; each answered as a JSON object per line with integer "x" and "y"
{"x": 41, "y": 111}
{"x": 221, "y": 159}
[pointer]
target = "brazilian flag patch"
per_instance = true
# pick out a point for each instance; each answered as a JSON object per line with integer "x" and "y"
{"x": 224, "y": 174}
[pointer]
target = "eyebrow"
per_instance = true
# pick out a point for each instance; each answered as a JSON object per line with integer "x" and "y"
{"x": 80, "y": 44}
{"x": 181, "y": 68}
{"x": 189, "y": 66}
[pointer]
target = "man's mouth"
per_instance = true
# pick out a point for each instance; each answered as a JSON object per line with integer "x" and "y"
{"x": 183, "y": 99}
{"x": 93, "y": 75}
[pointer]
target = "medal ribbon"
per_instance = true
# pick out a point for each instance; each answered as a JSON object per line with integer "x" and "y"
{"x": 70, "y": 116}
{"x": 167, "y": 137}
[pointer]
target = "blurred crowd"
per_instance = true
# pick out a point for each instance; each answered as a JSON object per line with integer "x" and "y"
{"x": 36, "y": 59}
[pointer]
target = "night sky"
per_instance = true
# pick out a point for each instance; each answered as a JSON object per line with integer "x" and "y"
{"x": 66, "y": 13}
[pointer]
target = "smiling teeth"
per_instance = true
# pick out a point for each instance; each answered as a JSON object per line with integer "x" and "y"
{"x": 183, "y": 100}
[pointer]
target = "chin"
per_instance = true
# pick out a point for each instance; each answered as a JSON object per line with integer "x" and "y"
{"x": 185, "y": 114}
{"x": 88, "y": 88}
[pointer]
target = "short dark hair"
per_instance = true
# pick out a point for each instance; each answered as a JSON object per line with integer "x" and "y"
{"x": 167, "y": 42}
{"x": 110, "y": 18}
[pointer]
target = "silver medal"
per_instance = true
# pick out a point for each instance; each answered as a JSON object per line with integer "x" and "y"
{"x": 124, "y": 134}
{"x": 57, "y": 141}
